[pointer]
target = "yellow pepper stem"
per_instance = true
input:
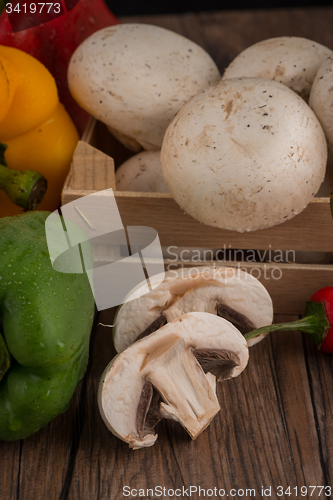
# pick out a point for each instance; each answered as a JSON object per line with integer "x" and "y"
{"x": 24, "y": 188}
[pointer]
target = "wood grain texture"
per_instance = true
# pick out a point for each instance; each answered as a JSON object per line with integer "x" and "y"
{"x": 275, "y": 424}
{"x": 312, "y": 230}
{"x": 257, "y": 439}
{"x": 39, "y": 466}
{"x": 320, "y": 375}
{"x": 289, "y": 285}
{"x": 91, "y": 169}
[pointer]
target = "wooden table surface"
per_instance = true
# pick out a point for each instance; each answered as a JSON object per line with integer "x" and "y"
{"x": 275, "y": 427}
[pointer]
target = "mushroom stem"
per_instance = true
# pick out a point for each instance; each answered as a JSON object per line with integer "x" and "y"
{"x": 187, "y": 394}
{"x": 315, "y": 324}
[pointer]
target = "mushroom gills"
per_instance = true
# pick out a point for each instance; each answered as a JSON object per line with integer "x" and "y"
{"x": 153, "y": 327}
{"x": 218, "y": 362}
{"x": 239, "y": 320}
{"x": 148, "y": 413}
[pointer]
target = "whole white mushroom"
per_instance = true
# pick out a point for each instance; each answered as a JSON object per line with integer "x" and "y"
{"x": 141, "y": 172}
{"x": 290, "y": 60}
{"x": 135, "y": 77}
{"x": 243, "y": 155}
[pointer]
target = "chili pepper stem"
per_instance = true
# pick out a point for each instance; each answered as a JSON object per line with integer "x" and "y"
{"x": 315, "y": 324}
{"x": 25, "y": 188}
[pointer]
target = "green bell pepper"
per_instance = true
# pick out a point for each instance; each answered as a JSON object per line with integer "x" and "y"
{"x": 45, "y": 324}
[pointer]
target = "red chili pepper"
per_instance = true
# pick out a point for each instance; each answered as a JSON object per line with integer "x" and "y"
{"x": 317, "y": 322}
{"x": 54, "y": 42}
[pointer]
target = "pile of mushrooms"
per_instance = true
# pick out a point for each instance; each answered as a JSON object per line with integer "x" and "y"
{"x": 242, "y": 153}
{"x": 175, "y": 343}
{"x": 135, "y": 77}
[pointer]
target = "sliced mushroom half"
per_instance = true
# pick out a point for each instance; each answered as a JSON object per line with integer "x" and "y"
{"x": 171, "y": 374}
{"x": 227, "y": 292}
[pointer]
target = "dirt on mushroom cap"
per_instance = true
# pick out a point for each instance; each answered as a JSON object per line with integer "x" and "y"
{"x": 135, "y": 77}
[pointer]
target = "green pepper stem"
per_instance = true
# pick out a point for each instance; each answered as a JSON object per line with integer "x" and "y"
{"x": 4, "y": 357}
{"x": 25, "y": 188}
{"x": 315, "y": 324}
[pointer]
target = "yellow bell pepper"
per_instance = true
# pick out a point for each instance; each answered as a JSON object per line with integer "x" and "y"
{"x": 37, "y": 129}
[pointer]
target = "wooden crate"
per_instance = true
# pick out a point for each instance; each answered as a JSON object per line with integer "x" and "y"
{"x": 289, "y": 283}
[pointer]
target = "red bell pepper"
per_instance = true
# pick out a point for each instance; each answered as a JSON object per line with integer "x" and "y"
{"x": 54, "y": 42}
{"x": 317, "y": 322}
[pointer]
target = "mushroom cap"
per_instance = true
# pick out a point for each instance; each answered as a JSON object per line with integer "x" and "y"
{"x": 135, "y": 77}
{"x": 201, "y": 289}
{"x": 321, "y": 98}
{"x": 172, "y": 361}
{"x": 243, "y": 155}
{"x": 141, "y": 172}
{"x": 290, "y": 60}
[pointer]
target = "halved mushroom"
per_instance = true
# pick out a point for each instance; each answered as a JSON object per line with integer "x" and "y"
{"x": 230, "y": 293}
{"x": 141, "y": 172}
{"x": 321, "y": 98}
{"x": 135, "y": 77}
{"x": 171, "y": 374}
{"x": 290, "y": 60}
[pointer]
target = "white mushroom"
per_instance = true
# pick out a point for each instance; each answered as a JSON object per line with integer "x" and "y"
{"x": 141, "y": 172}
{"x": 227, "y": 292}
{"x": 321, "y": 98}
{"x": 321, "y": 102}
{"x": 135, "y": 77}
{"x": 290, "y": 60}
{"x": 163, "y": 375}
{"x": 243, "y": 155}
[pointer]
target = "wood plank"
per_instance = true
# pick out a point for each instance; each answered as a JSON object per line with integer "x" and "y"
{"x": 226, "y": 33}
{"x": 91, "y": 169}
{"x": 289, "y": 360}
{"x": 311, "y": 230}
{"x": 320, "y": 373}
{"x": 10, "y": 453}
{"x": 230, "y": 32}
{"x": 44, "y": 461}
{"x": 289, "y": 285}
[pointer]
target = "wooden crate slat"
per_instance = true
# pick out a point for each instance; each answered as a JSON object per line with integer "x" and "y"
{"x": 311, "y": 230}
